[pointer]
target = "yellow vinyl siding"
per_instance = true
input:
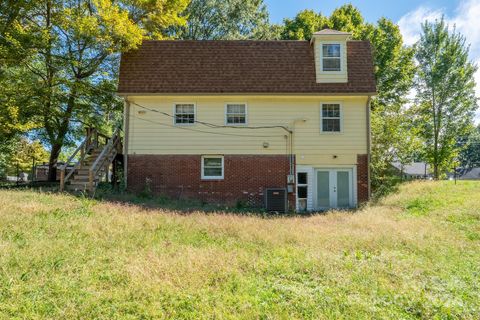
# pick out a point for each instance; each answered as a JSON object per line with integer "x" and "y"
{"x": 154, "y": 133}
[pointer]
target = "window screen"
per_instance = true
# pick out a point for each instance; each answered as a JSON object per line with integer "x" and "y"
{"x": 212, "y": 167}
{"x": 331, "y": 118}
{"x": 236, "y": 114}
{"x": 184, "y": 114}
{"x": 331, "y": 57}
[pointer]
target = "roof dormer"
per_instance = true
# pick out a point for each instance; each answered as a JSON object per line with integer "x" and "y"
{"x": 330, "y": 47}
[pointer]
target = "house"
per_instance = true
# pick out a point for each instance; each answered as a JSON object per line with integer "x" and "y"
{"x": 469, "y": 174}
{"x": 412, "y": 171}
{"x": 226, "y": 121}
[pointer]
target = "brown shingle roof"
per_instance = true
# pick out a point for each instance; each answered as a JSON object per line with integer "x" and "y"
{"x": 238, "y": 67}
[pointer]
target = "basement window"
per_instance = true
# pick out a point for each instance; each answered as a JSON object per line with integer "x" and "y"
{"x": 236, "y": 114}
{"x": 184, "y": 113}
{"x": 331, "y": 118}
{"x": 212, "y": 167}
{"x": 331, "y": 59}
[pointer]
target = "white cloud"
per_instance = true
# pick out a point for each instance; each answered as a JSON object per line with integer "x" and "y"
{"x": 465, "y": 18}
{"x": 410, "y": 24}
{"x": 466, "y": 21}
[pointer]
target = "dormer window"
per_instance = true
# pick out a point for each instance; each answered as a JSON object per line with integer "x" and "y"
{"x": 331, "y": 60}
{"x": 330, "y": 50}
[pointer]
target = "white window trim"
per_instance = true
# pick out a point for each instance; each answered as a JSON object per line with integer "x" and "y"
{"x": 307, "y": 185}
{"x": 321, "y": 117}
{"x": 309, "y": 171}
{"x": 246, "y": 114}
{"x": 213, "y": 177}
{"x": 175, "y": 114}
{"x": 341, "y": 71}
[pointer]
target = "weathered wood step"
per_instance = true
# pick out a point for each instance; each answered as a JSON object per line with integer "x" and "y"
{"x": 85, "y": 177}
{"x": 80, "y": 178}
{"x": 81, "y": 182}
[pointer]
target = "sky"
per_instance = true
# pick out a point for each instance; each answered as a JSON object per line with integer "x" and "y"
{"x": 407, "y": 13}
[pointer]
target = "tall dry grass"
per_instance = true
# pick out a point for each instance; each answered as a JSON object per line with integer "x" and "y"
{"x": 415, "y": 254}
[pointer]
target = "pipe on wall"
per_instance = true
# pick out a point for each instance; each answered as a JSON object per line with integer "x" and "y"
{"x": 369, "y": 139}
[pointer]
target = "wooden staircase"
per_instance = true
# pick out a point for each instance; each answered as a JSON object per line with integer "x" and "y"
{"x": 94, "y": 159}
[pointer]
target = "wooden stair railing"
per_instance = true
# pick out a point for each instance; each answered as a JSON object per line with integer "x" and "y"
{"x": 111, "y": 147}
{"x": 106, "y": 157}
{"x": 83, "y": 148}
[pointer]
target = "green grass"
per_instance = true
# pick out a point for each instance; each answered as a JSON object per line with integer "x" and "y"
{"x": 415, "y": 254}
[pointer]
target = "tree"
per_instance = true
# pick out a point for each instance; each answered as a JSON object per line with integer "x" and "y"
{"x": 15, "y": 42}
{"x": 73, "y": 69}
{"x": 226, "y": 20}
{"x": 345, "y": 18}
{"x": 349, "y": 19}
{"x": 6, "y": 150}
{"x": 445, "y": 87}
{"x": 469, "y": 156}
{"x": 25, "y": 154}
{"x": 394, "y": 137}
{"x": 20, "y": 154}
{"x": 14, "y": 38}
{"x": 303, "y": 26}
{"x": 16, "y": 117}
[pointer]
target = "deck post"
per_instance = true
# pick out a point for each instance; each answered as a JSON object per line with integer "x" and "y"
{"x": 107, "y": 168}
{"x": 90, "y": 181}
{"x": 62, "y": 179}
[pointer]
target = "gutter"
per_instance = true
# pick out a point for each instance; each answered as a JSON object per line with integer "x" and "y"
{"x": 265, "y": 94}
{"x": 126, "y": 130}
{"x": 369, "y": 144}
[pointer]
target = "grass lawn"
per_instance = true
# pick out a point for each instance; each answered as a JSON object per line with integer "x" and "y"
{"x": 416, "y": 254}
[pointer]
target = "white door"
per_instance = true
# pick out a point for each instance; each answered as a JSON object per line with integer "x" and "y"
{"x": 334, "y": 188}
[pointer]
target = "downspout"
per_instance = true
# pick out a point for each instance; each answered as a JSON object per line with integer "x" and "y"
{"x": 292, "y": 142}
{"x": 126, "y": 130}
{"x": 292, "y": 147}
{"x": 369, "y": 143}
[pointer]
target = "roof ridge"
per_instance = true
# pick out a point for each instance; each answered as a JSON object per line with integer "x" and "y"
{"x": 204, "y": 41}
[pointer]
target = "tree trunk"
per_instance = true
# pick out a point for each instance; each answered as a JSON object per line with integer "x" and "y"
{"x": 52, "y": 163}
{"x": 435, "y": 136}
{"x": 435, "y": 170}
{"x": 60, "y": 137}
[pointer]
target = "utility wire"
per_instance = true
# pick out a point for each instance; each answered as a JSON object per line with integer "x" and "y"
{"x": 212, "y": 125}
{"x": 202, "y": 131}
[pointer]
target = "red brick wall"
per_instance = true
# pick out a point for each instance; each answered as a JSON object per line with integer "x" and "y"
{"x": 362, "y": 178}
{"x": 179, "y": 176}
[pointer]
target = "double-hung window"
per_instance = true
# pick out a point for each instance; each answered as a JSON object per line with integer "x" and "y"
{"x": 212, "y": 167}
{"x": 184, "y": 113}
{"x": 331, "y": 118}
{"x": 331, "y": 58}
{"x": 235, "y": 114}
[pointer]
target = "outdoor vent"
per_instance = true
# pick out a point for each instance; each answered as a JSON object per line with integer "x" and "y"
{"x": 276, "y": 200}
